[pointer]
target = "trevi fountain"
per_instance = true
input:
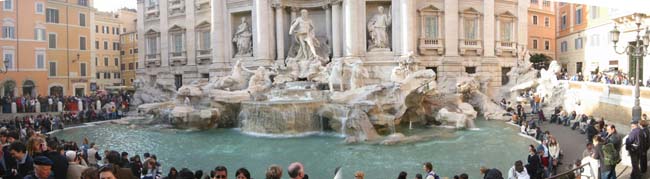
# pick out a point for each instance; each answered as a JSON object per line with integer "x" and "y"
{"x": 325, "y": 113}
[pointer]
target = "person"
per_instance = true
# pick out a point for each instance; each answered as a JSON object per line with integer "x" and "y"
{"x": 643, "y": 158}
{"x": 185, "y": 174}
{"x": 418, "y": 176}
{"x": 534, "y": 165}
{"x": 402, "y": 175}
{"x": 107, "y": 172}
{"x": 296, "y": 170}
{"x": 428, "y": 168}
{"x": 589, "y": 149}
{"x": 60, "y": 166}
{"x": 23, "y": 162}
{"x": 198, "y": 174}
{"x": 221, "y": 172}
{"x": 491, "y": 173}
{"x": 275, "y": 172}
{"x": 242, "y": 173}
{"x": 598, "y": 155}
{"x": 42, "y": 169}
{"x": 613, "y": 137}
{"x": 92, "y": 155}
{"x": 173, "y": 173}
{"x": 554, "y": 150}
{"x": 136, "y": 167}
{"x": 634, "y": 146}
{"x": 90, "y": 173}
{"x": 518, "y": 171}
{"x": 151, "y": 170}
{"x": 464, "y": 176}
{"x": 113, "y": 159}
{"x": 74, "y": 166}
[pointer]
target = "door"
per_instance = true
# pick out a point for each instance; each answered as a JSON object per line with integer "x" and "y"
{"x": 178, "y": 81}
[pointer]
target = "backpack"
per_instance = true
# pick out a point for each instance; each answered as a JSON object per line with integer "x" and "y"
{"x": 611, "y": 156}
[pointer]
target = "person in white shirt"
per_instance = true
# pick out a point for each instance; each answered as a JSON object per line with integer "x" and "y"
{"x": 428, "y": 167}
{"x": 518, "y": 171}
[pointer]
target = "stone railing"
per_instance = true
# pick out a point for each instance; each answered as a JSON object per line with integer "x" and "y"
{"x": 503, "y": 46}
{"x": 152, "y": 11}
{"x": 202, "y": 4}
{"x": 473, "y": 45}
{"x": 204, "y": 56}
{"x": 176, "y": 7}
{"x": 178, "y": 58}
{"x": 204, "y": 52}
{"x": 152, "y": 60}
{"x": 431, "y": 46}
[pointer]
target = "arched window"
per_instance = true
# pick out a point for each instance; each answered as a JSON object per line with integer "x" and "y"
{"x": 29, "y": 88}
{"x": 9, "y": 88}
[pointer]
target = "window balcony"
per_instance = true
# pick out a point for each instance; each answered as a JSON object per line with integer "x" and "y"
{"x": 506, "y": 47}
{"x": 468, "y": 46}
{"x": 204, "y": 56}
{"x": 202, "y": 4}
{"x": 176, "y": 7}
{"x": 152, "y": 11}
{"x": 431, "y": 46}
{"x": 178, "y": 58}
{"x": 152, "y": 60}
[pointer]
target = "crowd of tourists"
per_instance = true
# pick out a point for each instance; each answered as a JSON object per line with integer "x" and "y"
{"x": 28, "y": 104}
{"x": 613, "y": 78}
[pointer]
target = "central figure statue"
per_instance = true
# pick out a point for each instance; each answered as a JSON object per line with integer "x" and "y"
{"x": 378, "y": 30}
{"x": 303, "y": 28}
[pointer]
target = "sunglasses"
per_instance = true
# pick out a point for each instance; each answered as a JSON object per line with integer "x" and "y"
{"x": 220, "y": 176}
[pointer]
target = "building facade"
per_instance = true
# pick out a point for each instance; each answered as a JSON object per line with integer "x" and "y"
{"x": 541, "y": 27}
{"x": 24, "y": 48}
{"x": 186, "y": 40}
{"x": 107, "y": 50}
{"x": 69, "y": 24}
{"x": 128, "y": 45}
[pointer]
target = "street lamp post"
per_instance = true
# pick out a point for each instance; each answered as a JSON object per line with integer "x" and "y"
{"x": 637, "y": 50}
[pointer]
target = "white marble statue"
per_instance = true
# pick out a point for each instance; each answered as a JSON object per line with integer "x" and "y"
{"x": 336, "y": 74}
{"x": 403, "y": 69}
{"x": 378, "y": 30}
{"x": 303, "y": 28}
{"x": 243, "y": 39}
{"x": 260, "y": 81}
{"x": 187, "y": 101}
{"x": 358, "y": 75}
{"x": 236, "y": 80}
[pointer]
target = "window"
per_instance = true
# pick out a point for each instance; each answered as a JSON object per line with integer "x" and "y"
{"x": 470, "y": 70}
{"x": 83, "y": 2}
{"x": 105, "y": 61}
{"x": 533, "y": 1}
{"x": 504, "y": 75}
{"x": 117, "y": 62}
{"x": 82, "y": 43}
{"x": 116, "y": 75}
{"x": 52, "y": 68}
{"x": 547, "y": 22}
{"x": 534, "y": 44}
{"x": 205, "y": 75}
{"x": 595, "y": 12}
{"x": 471, "y": 28}
{"x": 563, "y": 23}
{"x": 124, "y": 30}
{"x": 547, "y": 45}
{"x": 39, "y": 34}
{"x": 177, "y": 39}
{"x": 52, "y": 42}
{"x": 122, "y": 66}
{"x": 82, "y": 20}
{"x": 204, "y": 40}
{"x": 107, "y": 76}
{"x": 130, "y": 51}
{"x": 534, "y": 20}
{"x": 40, "y": 60}
{"x": 130, "y": 66}
{"x": 564, "y": 47}
{"x": 432, "y": 24}
{"x": 96, "y": 61}
{"x": 40, "y": 8}
{"x": 578, "y": 43}
{"x": 8, "y": 32}
{"x": 103, "y": 30}
{"x": 121, "y": 52}
{"x": 506, "y": 31}
{"x": 595, "y": 40}
{"x": 8, "y": 5}
{"x": 105, "y": 45}
{"x": 578, "y": 16}
{"x": 82, "y": 69}
{"x": 52, "y": 16}
{"x": 96, "y": 44}
{"x": 152, "y": 45}
{"x": 97, "y": 76}
{"x": 9, "y": 58}
{"x": 96, "y": 28}
{"x": 116, "y": 46}
{"x": 135, "y": 50}
{"x": 547, "y": 3}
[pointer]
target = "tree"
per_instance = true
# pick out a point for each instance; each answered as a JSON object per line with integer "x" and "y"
{"x": 540, "y": 61}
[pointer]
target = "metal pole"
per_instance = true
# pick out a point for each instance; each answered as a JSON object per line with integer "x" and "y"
{"x": 637, "y": 53}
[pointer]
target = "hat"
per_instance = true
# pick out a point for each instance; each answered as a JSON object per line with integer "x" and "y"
{"x": 40, "y": 160}
{"x": 634, "y": 122}
{"x": 70, "y": 155}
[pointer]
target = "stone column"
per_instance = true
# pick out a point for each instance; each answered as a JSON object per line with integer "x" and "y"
{"x": 164, "y": 42}
{"x": 352, "y": 16}
{"x": 328, "y": 22}
{"x": 14, "y": 108}
{"x": 190, "y": 45}
{"x": 522, "y": 23}
{"x": 218, "y": 36}
{"x": 336, "y": 29}
{"x": 451, "y": 27}
{"x": 409, "y": 29}
{"x": 263, "y": 33}
{"x": 488, "y": 24}
{"x": 279, "y": 31}
{"x": 498, "y": 27}
{"x": 141, "y": 40}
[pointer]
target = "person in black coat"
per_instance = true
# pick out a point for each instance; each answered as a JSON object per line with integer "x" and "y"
{"x": 60, "y": 167}
{"x": 634, "y": 146}
{"x": 534, "y": 166}
{"x": 23, "y": 163}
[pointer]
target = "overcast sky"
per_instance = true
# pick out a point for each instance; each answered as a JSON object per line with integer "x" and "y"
{"x": 112, "y": 5}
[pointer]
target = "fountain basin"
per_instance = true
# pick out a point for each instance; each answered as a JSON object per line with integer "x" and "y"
{"x": 280, "y": 117}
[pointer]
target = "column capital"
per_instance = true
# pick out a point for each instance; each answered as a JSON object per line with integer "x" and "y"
{"x": 295, "y": 9}
{"x": 277, "y": 5}
{"x": 336, "y": 2}
{"x": 326, "y": 7}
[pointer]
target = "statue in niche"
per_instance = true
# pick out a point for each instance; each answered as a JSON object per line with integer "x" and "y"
{"x": 303, "y": 29}
{"x": 243, "y": 40}
{"x": 378, "y": 30}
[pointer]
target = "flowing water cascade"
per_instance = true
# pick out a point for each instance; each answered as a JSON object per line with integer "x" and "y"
{"x": 280, "y": 117}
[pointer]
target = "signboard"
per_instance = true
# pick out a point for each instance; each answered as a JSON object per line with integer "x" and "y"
{"x": 79, "y": 80}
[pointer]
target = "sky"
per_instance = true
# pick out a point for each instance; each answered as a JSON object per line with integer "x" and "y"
{"x": 625, "y": 5}
{"x": 112, "y": 5}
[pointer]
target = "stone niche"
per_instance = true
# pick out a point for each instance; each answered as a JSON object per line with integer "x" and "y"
{"x": 319, "y": 19}
{"x": 235, "y": 22}
{"x": 371, "y": 12}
